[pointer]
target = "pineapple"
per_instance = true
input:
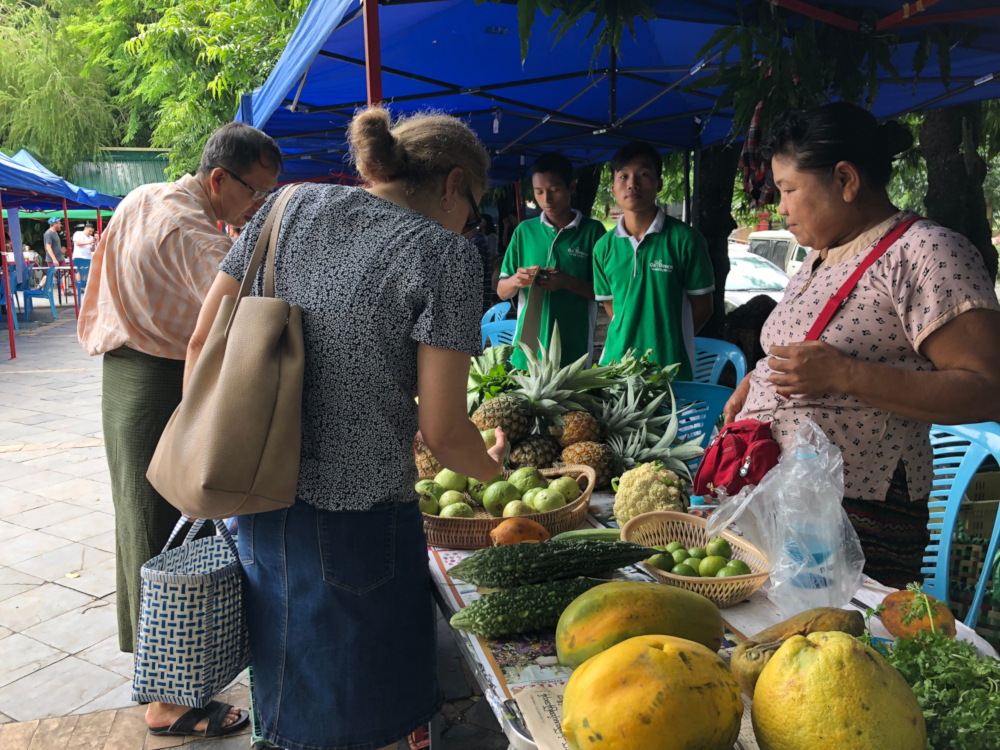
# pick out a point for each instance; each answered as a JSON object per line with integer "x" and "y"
{"x": 594, "y": 455}
{"x": 427, "y": 465}
{"x": 535, "y": 450}
{"x": 639, "y": 449}
{"x": 509, "y": 412}
{"x": 621, "y": 416}
{"x": 578, "y": 427}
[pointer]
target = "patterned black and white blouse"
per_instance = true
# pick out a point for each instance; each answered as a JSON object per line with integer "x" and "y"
{"x": 374, "y": 280}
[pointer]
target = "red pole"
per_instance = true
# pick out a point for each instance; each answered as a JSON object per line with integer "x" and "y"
{"x": 373, "y": 53}
{"x": 517, "y": 199}
{"x": 69, "y": 252}
{"x": 100, "y": 225}
{"x": 6, "y": 286}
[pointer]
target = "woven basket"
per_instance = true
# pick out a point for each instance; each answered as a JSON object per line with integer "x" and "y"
{"x": 474, "y": 533}
{"x": 663, "y": 527}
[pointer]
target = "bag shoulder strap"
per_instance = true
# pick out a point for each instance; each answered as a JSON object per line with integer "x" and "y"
{"x": 268, "y": 239}
{"x": 834, "y": 303}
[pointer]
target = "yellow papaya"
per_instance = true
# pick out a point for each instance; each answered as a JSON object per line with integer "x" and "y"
{"x": 751, "y": 656}
{"x": 653, "y": 692}
{"x": 614, "y": 612}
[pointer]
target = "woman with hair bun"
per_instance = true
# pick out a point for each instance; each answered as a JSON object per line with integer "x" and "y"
{"x": 916, "y": 342}
{"x": 337, "y": 587}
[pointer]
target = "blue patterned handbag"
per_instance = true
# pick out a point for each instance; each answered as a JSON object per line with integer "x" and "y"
{"x": 192, "y": 640}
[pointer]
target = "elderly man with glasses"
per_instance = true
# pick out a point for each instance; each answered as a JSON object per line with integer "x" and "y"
{"x": 149, "y": 278}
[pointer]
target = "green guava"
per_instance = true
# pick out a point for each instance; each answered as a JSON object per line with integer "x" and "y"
{"x": 528, "y": 497}
{"x": 451, "y": 480}
{"x": 548, "y": 500}
{"x": 450, "y": 498}
{"x": 477, "y": 489}
{"x": 517, "y": 508}
{"x": 567, "y": 487}
{"x": 429, "y": 505}
{"x": 527, "y": 478}
{"x": 427, "y": 488}
{"x": 458, "y": 510}
{"x": 498, "y": 495}
{"x": 489, "y": 437}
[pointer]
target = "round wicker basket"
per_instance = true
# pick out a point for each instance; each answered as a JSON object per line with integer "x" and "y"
{"x": 664, "y": 527}
{"x": 474, "y": 533}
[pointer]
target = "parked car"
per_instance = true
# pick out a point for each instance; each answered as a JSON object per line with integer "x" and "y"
{"x": 751, "y": 275}
{"x": 780, "y": 247}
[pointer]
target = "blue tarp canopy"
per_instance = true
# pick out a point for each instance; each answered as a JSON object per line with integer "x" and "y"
{"x": 465, "y": 58}
{"x": 81, "y": 196}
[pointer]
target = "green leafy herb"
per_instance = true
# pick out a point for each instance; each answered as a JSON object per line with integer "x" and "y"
{"x": 958, "y": 690}
{"x": 918, "y": 607}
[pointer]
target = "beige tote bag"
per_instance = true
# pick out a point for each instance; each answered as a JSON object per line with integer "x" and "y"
{"x": 232, "y": 446}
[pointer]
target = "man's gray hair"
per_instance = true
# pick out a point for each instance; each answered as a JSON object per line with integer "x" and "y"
{"x": 237, "y": 147}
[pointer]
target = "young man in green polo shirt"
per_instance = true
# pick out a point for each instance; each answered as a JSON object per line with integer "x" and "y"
{"x": 652, "y": 273}
{"x": 557, "y": 249}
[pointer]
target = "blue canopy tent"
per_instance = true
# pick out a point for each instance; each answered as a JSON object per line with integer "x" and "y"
{"x": 464, "y": 58}
{"x": 81, "y": 196}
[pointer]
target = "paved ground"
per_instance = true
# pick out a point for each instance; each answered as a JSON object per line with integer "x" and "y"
{"x": 64, "y": 685}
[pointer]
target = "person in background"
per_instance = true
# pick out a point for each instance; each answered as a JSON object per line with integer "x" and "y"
{"x": 329, "y": 581}
{"x": 508, "y": 223}
{"x": 481, "y": 243}
{"x": 489, "y": 230}
{"x": 653, "y": 272}
{"x": 556, "y": 247}
{"x": 148, "y": 279}
{"x": 916, "y": 342}
{"x": 53, "y": 243}
{"x": 84, "y": 242}
{"x": 30, "y": 256}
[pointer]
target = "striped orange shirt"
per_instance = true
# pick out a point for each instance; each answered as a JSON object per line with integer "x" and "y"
{"x": 152, "y": 270}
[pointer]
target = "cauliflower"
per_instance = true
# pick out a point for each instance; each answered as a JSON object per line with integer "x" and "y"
{"x": 646, "y": 488}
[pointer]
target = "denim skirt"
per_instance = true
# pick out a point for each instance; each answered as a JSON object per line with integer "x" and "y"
{"x": 341, "y": 622}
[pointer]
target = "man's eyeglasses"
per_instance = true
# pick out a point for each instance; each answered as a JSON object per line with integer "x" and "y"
{"x": 258, "y": 195}
{"x": 477, "y": 218}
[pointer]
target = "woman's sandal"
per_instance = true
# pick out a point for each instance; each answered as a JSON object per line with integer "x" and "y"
{"x": 215, "y": 712}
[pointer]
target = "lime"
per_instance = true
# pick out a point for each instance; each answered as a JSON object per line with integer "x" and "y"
{"x": 684, "y": 570}
{"x": 660, "y": 547}
{"x": 663, "y": 562}
{"x": 698, "y": 552}
{"x": 674, "y": 546}
{"x": 680, "y": 556}
{"x": 741, "y": 567}
{"x": 710, "y": 566}
{"x": 719, "y": 547}
{"x": 727, "y": 572}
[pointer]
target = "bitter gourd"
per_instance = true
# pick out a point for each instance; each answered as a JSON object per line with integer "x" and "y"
{"x": 522, "y": 564}
{"x": 521, "y": 609}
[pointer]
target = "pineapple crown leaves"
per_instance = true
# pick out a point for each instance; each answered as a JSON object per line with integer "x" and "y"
{"x": 625, "y": 414}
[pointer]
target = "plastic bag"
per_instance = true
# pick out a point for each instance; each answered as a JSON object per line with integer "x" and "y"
{"x": 795, "y": 517}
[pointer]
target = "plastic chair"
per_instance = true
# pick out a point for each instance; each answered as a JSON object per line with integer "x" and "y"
{"x": 710, "y": 357}
{"x": 699, "y": 406}
{"x": 46, "y": 291}
{"x": 501, "y": 332}
{"x": 82, "y": 268}
{"x": 958, "y": 452}
{"x": 3, "y": 303}
{"x": 496, "y": 313}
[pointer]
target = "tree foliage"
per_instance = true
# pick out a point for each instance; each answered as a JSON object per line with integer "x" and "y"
{"x": 50, "y": 102}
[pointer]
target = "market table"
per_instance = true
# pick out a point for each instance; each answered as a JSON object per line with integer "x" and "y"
{"x": 504, "y": 667}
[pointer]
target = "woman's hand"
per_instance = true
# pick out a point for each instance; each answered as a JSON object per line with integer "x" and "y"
{"x": 499, "y": 451}
{"x": 809, "y": 368}
{"x": 735, "y": 403}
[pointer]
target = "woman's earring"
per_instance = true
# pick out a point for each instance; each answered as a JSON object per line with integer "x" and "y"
{"x": 447, "y": 210}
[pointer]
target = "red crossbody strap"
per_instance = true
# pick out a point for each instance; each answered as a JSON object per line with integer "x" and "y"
{"x": 834, "y": 303}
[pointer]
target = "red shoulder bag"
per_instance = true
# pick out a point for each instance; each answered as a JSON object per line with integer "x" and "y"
{"x": 744, "y": 451}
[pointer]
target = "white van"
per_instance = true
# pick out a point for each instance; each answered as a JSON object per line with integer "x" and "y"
{"x": 780, "y": 247}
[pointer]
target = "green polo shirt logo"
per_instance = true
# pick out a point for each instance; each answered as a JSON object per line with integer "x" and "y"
{"x": 658, "y": 266}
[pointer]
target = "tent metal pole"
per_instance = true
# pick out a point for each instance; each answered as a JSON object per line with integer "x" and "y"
{"x": 69, "y": 253}
{"x": 517, "y": 200}
{"x": 940, "y": 98}
{"x": 667, "y": 89}
{"x": 6, "y": 285}
{"x": 613, "y": 86}
{"x": 373, "y": 53}
{"x": 546, "y": 119}
{"x": 696, "y": 187}
{"x": 958, "y": 15}
{"x": 687, "y": 187}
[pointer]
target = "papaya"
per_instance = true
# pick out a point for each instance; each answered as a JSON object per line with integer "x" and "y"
{"x": 518, "y": 530}
{"x": 652, "y": 692}
{"x": 614, "y": 612}
{"x": 900, "y": 606}
{"x": 751, "y": 656}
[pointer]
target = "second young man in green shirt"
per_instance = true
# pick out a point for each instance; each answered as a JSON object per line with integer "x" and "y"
{"x": 653, "y": 273}
{"x": 556, "y": 248}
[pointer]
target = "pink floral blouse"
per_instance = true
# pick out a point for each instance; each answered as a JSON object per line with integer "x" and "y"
{"x": 927, "y": 278}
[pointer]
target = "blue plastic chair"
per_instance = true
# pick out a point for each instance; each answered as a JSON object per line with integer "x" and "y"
{"x": 958, "y": 452}
{"x": 710, "y": 357}
{"x": 82, "y": 268}
{"x": 699, "y": 406}
{"x": 496, "y": 313}
{"x": 501, "y": 332}
{"x": 47, "y": 291}
{"x": 3, "y": 303}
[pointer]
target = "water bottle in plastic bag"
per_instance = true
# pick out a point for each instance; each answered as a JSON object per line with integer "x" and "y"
{"x": 794, "y": 516}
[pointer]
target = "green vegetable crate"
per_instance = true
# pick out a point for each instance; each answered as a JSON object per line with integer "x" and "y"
{"x": 257, "y": 741}
{"x": 966, "y": 566}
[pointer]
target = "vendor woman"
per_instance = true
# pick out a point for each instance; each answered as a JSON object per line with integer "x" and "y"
{"x": 916, "y": 343}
